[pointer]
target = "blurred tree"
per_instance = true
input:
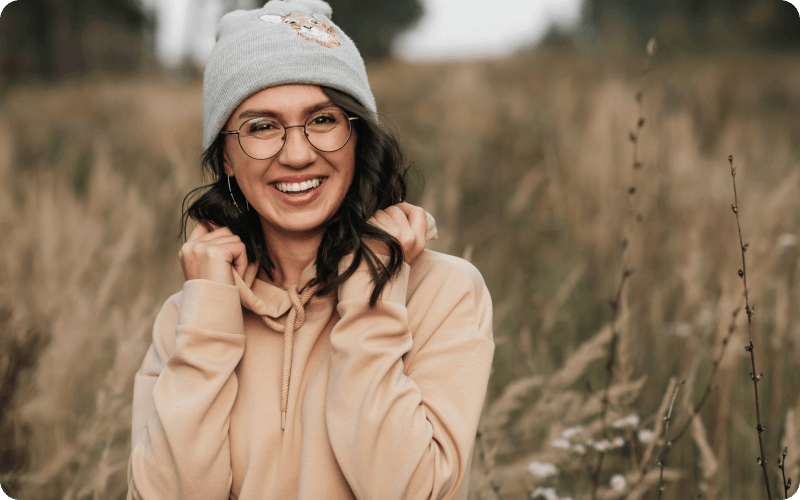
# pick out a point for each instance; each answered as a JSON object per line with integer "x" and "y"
{"x": 51, "y": 39}
{"x": 374, "y": 26}
{"x": 697, "y": 25}
{"x": 55, "y": 38}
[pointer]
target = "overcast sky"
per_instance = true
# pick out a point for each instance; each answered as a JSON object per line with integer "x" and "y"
{"x": 470, "y": 28}
{"x": 449, "y": 28}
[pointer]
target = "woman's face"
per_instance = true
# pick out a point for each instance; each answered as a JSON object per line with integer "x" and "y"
{"x": 268, "y": 184}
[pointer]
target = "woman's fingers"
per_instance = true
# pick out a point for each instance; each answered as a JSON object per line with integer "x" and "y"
{"x": 407, "y": 224}
{"x": 430, "y": 224}
{"x": 414, "y": 226}
{"x": 382, "y": 220}
{"x": 397, "y": 215}
{"x": 402, "y": 230}
{"x": 216, "y": 233}
{"x": 417, "y": 219}
{"x": 240, "y": 260}
{"x": 199, "y": 230}
{"x": 201, "y": 233}
{"x": 219, "y": 241}
{"x": 209, "y": 254}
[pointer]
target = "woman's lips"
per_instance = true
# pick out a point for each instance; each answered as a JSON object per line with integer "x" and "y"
{"x": 303, "y": 198}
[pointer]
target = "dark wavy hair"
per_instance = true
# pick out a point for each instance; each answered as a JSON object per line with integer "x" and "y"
{"x": 379, "y": 181}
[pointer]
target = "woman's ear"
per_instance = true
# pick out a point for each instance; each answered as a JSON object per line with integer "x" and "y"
{"x": 226, "y": 162}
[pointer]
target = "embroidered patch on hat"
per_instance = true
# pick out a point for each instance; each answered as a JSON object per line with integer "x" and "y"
{"x": 308, "y": 27}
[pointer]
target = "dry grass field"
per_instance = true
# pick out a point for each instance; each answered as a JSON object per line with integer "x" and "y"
{"x": 527, "y": 167}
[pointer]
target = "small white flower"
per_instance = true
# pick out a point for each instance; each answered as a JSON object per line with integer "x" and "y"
{"x": 646, "y": 436}
{"x": 707, "y": 318}
{"x": 571, "y": 432}
{"x": 560, "y": 443}
{"x": 683, "y": 329}
{"x": 651, "y": 47}
{"x": 546, "y": 493}
{"x": 542, "y": 470}
{"x": 631, "y": 420}
{"x": 787, "y": 240}
{"x": 618, "y": 482}
{"x": 618, "y": 442}
{"x": 579, "y": 448}
{"x": 602, "y": 445}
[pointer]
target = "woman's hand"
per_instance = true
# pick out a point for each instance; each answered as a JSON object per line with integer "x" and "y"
{"x": 209, "y": 255}
{"x": 405, "y": 223}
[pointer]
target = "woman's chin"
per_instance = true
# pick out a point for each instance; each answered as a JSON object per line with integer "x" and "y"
{"x": 297, "y": 223}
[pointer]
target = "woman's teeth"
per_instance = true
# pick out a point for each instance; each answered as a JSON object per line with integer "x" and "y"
{"x": 297, "y": 187}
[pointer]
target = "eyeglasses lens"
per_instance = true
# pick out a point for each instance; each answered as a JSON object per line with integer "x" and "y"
{"x": 327, "y": 130}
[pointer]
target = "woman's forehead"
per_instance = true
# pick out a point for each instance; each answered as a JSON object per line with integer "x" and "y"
{"x": 283, "y": 100}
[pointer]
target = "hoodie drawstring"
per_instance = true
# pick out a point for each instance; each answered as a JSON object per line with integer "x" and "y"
{"x": 296, "y": 318}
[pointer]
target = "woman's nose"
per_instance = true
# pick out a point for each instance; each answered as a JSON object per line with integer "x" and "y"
{"x": 297, "y": 152}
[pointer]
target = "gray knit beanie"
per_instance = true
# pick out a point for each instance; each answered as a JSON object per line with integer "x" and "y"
{"x": 286, "y": 41}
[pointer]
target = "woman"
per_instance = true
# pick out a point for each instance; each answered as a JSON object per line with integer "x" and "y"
{"x": 316, "y": 349}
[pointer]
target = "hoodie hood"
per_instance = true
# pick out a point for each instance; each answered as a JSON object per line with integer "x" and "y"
{"x": 277, "y": 302}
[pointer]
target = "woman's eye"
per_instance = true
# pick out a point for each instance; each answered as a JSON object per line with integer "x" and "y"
{"x": 323, "y": 119}
{"x": 261, "y": 126}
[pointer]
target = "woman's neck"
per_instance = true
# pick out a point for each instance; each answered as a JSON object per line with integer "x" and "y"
{"x": 290, "y": 253}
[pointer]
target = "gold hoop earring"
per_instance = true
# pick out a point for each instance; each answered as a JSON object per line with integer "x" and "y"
{"x": 234, "y": 199}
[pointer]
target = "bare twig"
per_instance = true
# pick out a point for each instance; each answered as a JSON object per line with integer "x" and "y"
{"x": 625, "y": 274}
{"x": 731, "y": 328}
{"x": 662, "y": 459}
{"x": 756, "y": 378}
{"x": 781, "y": 465}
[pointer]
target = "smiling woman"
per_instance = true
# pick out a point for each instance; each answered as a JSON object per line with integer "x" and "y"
{"x": 317, "y": 349}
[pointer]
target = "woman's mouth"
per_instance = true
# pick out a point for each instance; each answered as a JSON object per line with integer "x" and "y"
{"x": 299, "y": 193}
{"x": 294, "y": 188}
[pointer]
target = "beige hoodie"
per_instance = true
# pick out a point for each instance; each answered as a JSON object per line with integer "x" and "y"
{"x": 381, "y": 403}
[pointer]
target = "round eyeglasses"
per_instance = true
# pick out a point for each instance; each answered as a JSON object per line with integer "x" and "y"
{"x": 262, "y": 138}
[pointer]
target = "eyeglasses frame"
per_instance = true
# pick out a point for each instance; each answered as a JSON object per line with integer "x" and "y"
{"x": 286, "y": 134}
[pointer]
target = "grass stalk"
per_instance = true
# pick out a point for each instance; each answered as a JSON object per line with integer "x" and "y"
{"x": 488, "y": 463}
{"x": 710, "y": 384}
{"x": 670, "y": 443}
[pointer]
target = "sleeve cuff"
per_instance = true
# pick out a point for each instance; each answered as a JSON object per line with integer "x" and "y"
{"x": 359, "y": 286}
{"x": 211, "y": 306}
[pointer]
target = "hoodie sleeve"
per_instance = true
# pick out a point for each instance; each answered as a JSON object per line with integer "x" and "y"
{"x": 402, "y": 418}
{"x": 183, "y": 395}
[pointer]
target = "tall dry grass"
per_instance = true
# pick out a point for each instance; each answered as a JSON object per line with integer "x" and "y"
{"x": 526, "y": 163}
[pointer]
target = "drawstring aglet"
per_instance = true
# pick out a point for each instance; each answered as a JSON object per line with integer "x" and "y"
{"x": 283, "y": 420}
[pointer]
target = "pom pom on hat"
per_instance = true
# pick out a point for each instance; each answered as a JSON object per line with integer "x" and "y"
{"x": 310, "y": 6}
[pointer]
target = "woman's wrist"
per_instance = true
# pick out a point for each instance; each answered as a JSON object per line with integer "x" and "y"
{"x": 211, "y": 305}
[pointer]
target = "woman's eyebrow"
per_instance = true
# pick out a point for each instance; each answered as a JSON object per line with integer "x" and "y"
{"x": 252, "y": 113}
